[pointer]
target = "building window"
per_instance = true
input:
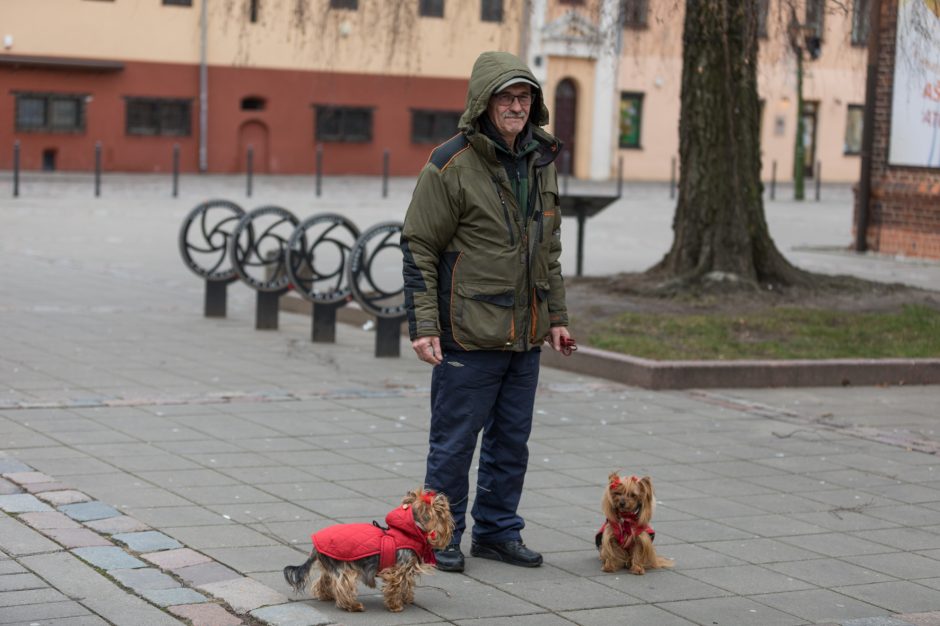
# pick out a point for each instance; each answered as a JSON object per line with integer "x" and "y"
{"x": 252, "y": 10}
{"x": 861, "y": 12}
{"x": 158, "y": 116}
{"x": 433, "y": 126}
{"x": 253, "y": 103}
{"x": 431, "y": 8}
{"x": 815, "y": 14}
{"x": 352, "y": 5}
{"x": 50, "y": 112}
{"x": 854, "y": 120}
{"x": 631, "y": 118}
{"x": 633, "y": 13}
{"x": 178, "y": 3}
{"x": 491, "y": 10}
{"x": 344, "y": 124}
{"x": 763, "y": 8}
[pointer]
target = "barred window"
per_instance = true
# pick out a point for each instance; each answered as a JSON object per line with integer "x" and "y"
{"x": 158, "y": 116}
{"x": 179, "y": 3}
{"x": 861, "y": 13}
{"x": 763, "y": 8}
{"x": 815, "y": 17}
{"x": 352, "y": 5}
{"x": 50, "y": 112}
{"x": 633, "y": 13}
{"x": 343, "y": 124}
{"x": 491, "y": 10}
{"x": 433, "y": 126}
{"x": 431, "y": 8}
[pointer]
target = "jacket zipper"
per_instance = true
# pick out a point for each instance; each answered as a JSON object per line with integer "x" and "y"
{"x": 529, "y": 257}
{"x": 502, "y": 201}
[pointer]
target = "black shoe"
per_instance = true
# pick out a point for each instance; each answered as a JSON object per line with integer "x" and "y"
{"x": 450, "y": 559}
{"x": 512, "y": 552}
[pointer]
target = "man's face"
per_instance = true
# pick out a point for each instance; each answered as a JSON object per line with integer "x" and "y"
{"x": 509, "y": 110}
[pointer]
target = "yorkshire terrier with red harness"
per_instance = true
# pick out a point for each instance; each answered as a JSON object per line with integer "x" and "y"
{"x": 626, "y": 538}
{"x": 348, "y": 553}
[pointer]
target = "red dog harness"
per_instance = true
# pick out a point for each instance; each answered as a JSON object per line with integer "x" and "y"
{"x": 626, "y": 530}
{"x": 350, "y": 542}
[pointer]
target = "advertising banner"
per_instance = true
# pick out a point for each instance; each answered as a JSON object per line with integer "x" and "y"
{"x": 915, "y": 110}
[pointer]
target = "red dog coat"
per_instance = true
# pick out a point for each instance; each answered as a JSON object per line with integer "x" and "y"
{"x": 625, "y": 531}
{"x": 350, "y": 542}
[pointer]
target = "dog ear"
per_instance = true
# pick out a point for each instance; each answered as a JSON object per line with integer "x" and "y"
{"x": 440, "y": 502}
{"x": 441, "y": 507}
{"x": 411, "y": 497}
{"x": 613, "y": 478}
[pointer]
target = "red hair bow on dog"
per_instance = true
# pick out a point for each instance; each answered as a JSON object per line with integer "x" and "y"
{"x": 613, "y": 484}
{"x": 428, "y": 497}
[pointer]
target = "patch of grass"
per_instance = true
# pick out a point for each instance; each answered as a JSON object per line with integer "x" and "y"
{"x": 784, "y": 333}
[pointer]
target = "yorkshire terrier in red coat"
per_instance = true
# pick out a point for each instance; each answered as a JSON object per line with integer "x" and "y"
{"x": 626, "y": 538}
{"x": 348, "y": 553}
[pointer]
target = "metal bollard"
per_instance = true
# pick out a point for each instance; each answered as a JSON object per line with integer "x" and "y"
{"x": 773, "y": 180}
{"x": 385, "y": 173}
{"x": 249, "y": 169}
{"x": 672, "y": 179}
{"x": 566, "y": 157}
{"x": 97, "y": 169}
{"x": 176, "y": 170}
{"x": 388, "y": 336}
{"x": 214, "y": 303}
{"x": 319, "y": 167}
{"x": 16, "y": 168}
{"x": 323, "y": 328}
{"x": 619, "y": 177}
{"x": 818, "y": 178}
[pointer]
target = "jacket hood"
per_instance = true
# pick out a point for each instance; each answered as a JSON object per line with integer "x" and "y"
{"x": 491, "y": 70}
{"x": 402, "y": 519}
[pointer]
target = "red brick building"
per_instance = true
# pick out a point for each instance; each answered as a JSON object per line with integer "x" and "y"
{"x": 902, "y": 214}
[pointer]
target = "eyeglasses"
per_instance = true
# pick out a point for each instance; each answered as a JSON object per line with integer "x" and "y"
{"x": 505, "y": 99}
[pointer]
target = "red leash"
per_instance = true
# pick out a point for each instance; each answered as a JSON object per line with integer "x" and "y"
{"x": 568, "y": 346}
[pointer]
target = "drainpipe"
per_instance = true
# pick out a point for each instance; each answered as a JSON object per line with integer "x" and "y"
{"x": 868, "y": 130}
{"x": 524, "y": 30}
{"x": 203, "y": 90}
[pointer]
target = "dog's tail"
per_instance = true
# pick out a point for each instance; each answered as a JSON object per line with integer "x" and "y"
{"x": 664, "y": 562}
{"x": 297, "y": 575}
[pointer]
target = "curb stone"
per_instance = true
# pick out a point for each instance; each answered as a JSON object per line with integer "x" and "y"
{"x": 157, "y": 578}
{"x": 659, "y": 375}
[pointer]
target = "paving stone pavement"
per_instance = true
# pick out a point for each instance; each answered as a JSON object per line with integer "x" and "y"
{"x": 159, "y": 467}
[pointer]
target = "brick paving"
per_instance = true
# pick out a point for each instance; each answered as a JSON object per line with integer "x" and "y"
{"x": 128, "y": 418}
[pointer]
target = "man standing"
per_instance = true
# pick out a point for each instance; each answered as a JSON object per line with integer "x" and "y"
{"x": 483, "y": 289}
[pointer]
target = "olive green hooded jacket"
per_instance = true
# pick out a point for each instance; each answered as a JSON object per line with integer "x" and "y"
{"x": 481, "y": 271}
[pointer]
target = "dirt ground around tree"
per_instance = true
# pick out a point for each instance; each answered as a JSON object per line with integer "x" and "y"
{"x": 592, "y": 300}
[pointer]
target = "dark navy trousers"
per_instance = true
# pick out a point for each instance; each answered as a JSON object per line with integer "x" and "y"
{"x": 492, "y": 391}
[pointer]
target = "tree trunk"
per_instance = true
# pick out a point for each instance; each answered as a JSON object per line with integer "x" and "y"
{"x": 719, "y": 228}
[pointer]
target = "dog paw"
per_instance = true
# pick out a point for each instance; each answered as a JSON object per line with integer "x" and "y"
{"x": 636, "y": 569}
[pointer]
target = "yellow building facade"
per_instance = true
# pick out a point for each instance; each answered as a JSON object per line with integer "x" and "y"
{"x": 356, "y": 78}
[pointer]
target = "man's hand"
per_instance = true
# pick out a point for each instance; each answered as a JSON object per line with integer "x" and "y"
{"x": 556, "y": 333}
{"x": 428, "y": 349}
